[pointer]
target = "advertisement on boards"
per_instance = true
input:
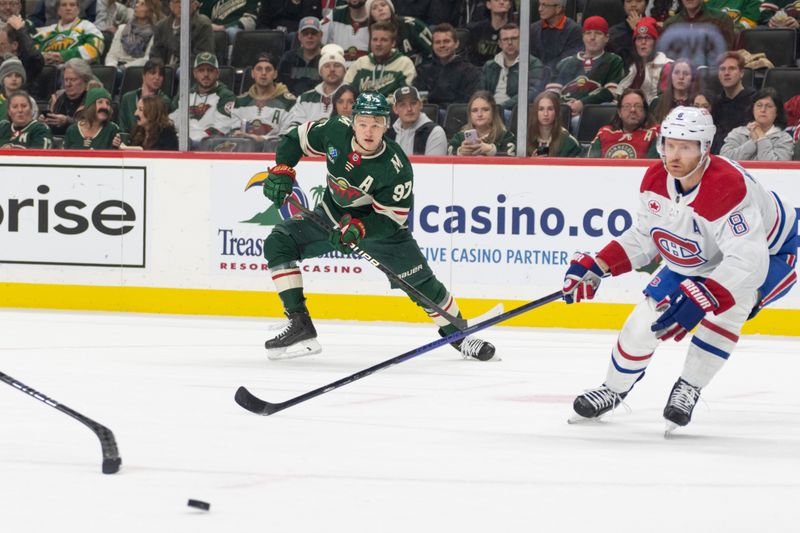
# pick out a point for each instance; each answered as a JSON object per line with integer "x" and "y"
{"x": 53, "y": 214}
{"x": 485, "y": 236}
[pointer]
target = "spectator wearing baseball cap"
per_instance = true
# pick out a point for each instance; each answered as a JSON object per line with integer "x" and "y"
{"x": 650, "y": 70}
{"x": 413, "y": 130}
{"x": 590, "y": 76}
{"x": 317, "y": 103}
{"x": 210, "y": 102}
{"x": 261, "y": 113}
{"x": 299, "y": 67}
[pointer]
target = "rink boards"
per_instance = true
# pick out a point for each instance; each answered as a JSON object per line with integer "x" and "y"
{"x": 176, "y": 234}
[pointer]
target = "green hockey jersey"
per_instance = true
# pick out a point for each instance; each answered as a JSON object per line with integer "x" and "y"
{"x": 102, "y": 140}
{"x": 505, "y": 145}
{"x": 378, "y": 188}
{"x": 386, "y": 77}
{"x": 591, "y": 81}
{"x": 231, "y": 13}
{"x": 127, "y": 107}
{"x": 35, "y": 135}
{"x": 80, "y": 39}
{"x": 744, "y": 13}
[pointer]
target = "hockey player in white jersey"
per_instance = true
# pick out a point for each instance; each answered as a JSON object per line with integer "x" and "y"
{"x": 728, "y": 246}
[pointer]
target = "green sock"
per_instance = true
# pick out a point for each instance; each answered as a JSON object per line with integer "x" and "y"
{"x": 294, "y": 301}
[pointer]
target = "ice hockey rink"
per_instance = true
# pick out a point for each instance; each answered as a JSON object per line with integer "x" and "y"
{"x": 435, "y": 444}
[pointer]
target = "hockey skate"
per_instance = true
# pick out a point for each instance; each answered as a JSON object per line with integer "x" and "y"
{"x": 475, "y": 348}
{"x": 594, "y": 403}
{"x": 680, "y": 405}
{"x": 297, "y": 338}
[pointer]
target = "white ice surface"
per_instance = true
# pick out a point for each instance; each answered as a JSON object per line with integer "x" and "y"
{"x": 436, "y": 444}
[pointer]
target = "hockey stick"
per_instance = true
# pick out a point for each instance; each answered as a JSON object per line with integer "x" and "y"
{"x": 460, "y": 323}
{"x": 256, "y": 405}
{"x": 111, "y": 458}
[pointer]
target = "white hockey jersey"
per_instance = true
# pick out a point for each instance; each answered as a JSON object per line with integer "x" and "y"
{"x": 724, "y": 230}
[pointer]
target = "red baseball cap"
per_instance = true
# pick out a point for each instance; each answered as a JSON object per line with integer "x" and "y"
{"x": 595, "y": 23}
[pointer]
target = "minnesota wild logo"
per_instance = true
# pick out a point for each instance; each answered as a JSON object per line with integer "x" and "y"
{"x": 272, "y": 215}
{"x": 342, "y": 190}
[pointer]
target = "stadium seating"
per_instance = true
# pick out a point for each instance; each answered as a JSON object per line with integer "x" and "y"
{"x": 779, "y": 44}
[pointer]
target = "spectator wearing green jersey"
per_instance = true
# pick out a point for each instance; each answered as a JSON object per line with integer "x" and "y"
{"x": 413, "y": 37}
{"x": 20, "y": 130}
{"x": 384, "y": 69}
{"x": 71, "y": 37}
{"x": 230, "y": 17}
{"x": 484, "y": 133}
{"x": 95, "y": 131}
{"x": 152, "y": 82}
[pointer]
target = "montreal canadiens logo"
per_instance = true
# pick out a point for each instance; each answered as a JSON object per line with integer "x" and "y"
{"x": 654, "y": 206}
{"x": 677, "y": 250}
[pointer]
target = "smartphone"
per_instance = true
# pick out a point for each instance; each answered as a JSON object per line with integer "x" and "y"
{"x": 471, "y": 137}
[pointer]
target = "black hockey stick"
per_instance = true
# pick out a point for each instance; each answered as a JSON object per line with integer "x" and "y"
{"x": 256, "y": 405}
{"x": 460, "y": 323}
{"x": 111, "y": 458}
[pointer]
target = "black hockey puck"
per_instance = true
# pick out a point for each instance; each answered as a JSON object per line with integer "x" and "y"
{"x": 205, "y": 506}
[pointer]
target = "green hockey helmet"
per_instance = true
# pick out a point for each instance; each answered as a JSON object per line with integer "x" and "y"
{"x": 371, "y": 104}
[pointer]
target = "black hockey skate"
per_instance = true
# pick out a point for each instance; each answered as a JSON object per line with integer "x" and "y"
{"x": 680, "y": 405}
{"x": 296, "y": 339}
{"x": 594, "y": 403}
{"x": 474, "y": 348}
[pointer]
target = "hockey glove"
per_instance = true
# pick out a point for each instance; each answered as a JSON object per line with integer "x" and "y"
{"x": 350, "y": 231}
{"x": 685, "y": 309}
{"x": 582, "y": 279}
{"x": 278, "y": 184}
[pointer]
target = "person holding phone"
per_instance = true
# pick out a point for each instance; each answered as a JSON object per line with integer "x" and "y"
{"x": 484, "y": 133}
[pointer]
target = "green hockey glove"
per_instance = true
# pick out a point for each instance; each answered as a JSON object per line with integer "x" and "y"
{"x": 350, "y": 231}
{"x": 279, "y": 183}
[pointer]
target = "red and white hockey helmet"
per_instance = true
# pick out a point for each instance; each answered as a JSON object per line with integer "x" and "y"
{"x": 688, "y": 124}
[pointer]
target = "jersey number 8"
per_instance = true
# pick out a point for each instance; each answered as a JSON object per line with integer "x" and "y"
{"x": 738, "y": 224}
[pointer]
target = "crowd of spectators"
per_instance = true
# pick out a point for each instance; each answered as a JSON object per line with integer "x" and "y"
{"x": 450, "y": 68}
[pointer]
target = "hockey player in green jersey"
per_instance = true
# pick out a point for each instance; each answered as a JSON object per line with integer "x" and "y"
{"x": 368, "y": 197}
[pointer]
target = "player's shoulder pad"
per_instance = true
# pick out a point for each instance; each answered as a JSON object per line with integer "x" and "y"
{"x": 722, "y": 188}
{"x": 655, "y": 180}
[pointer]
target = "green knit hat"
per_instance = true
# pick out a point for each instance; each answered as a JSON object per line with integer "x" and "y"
{"x": 94, "y": 94}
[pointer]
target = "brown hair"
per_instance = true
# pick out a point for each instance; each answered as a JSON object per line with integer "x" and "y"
{"x": 383, "y": 25}
{"x": 616, "y": 122}
{"x": 497, "y": 121}
{"x": 667, "y": 99}
{"x": 556, "y": 134}
{"x": 445, "y": 27}
{"x": 155, "y": 110}
{"x": 731, "y": 54}
{"x": 15, "y": 94}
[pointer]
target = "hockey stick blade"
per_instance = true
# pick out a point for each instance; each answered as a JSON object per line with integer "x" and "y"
{"x": 258, "y": 406}
{"x": 108, "y": 444}
{"x": 491, "y": 313}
